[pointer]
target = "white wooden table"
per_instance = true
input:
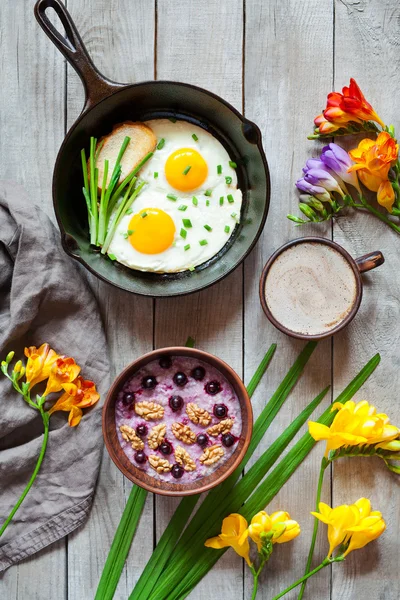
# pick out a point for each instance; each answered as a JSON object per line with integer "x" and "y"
{"x": 275, "y": 61}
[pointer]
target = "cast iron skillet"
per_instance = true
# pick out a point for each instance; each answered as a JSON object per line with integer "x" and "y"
{"x": 108, "y": 103}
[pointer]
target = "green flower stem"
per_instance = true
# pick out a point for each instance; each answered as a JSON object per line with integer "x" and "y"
{"x": 324, "y": 464}
{"x": 374, "y": 211}
{"x": 256, "y": 575}
{"x": 325, "y": 563}
{"x": 46, "y": 419}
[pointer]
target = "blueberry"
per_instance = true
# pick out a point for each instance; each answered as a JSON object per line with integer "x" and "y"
{"x": 180, "y": 379}
{"x": 177, "y": 471}
{"x": 220, "y": 410}
{"x": 149, "y": 382}
{"x": 202, "y": 439}
{"x": 228, "y": 440}
{"x": 198, "y": 373}
{"x": 141, "y": 430}
{"x": 140, "y": 457}
{"x": 165, "y": 362}
{"x": 128, "y": 398}
{"x": 213, "y": 387}
{"x": 166, "y": 448}
{"x": 176, "y": 403}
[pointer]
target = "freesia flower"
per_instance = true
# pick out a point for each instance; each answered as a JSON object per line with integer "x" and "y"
{"x": 338, "y": 160}
{"x": 314, "y": 190}
{"x": 344, "y": 108}
{"x": 40, "y": 360}
{"x": 64, "y": 370}
{"x": 353, "y": 425}
{"x": 278, "y": 527}
{"x": 234, "y": 534}
{"x": 323, "y": 178}
{"x": 373, "y": 160}
{"x": 355, "y": 525}
{"x": 79, "y": 394}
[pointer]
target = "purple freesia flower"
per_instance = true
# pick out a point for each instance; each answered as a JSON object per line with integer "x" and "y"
{"x": 314, "y": 163}
{"x": 336, "y": 158}
{"x": 314, "y": 190}
{"x": 323, "y": 179}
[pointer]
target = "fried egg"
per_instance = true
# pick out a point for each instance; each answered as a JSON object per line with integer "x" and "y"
{"x": 189, "y": 206}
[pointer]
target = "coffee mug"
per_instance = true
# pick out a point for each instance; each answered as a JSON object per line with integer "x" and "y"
{"x": 311, "y": 287}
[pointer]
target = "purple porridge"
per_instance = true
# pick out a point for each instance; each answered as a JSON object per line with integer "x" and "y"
{"x": 178, "y": 419}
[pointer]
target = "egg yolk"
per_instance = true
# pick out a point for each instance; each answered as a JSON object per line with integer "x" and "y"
{"x": 186, "y": 169}
{"x": 153, "y": 231}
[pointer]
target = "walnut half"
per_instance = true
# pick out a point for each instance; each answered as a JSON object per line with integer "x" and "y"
{"x": 197, "y": 414}
{"x": 211, "y": 455}
{"x": 222, "y": 427}
{"x": 150, "y": 411}
{"x": 183, "y": 457}
{"x": 183, "y": 433}
{"x": 129, "y": 435}
{"x": 161, "y": 465}
{"x": 156, "y": 435}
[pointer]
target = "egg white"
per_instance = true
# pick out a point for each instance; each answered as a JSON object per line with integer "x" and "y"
{"x": 154, "y": 195}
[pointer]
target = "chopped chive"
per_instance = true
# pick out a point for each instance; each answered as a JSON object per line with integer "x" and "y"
{"x": 186, "y": 247}
{"x": 191, "y": 268}
{"x": 187, "y": 223}
{"x": 172, "y": 197}
{"x": 172, "y": 119}
{"x": 203, "y": 242}
{"x": 230, "y": 198}
{"x": 232, "y": 164}
{"x": 130, "y": 231}
{"x": 208, "y": 227}
{"x": 208, "y": 192}
{"x": 195, "y": 201}
{"x": 207, "y": 203}
{"x": 219, "y": 169}
{"x": 228, "y": 180}
{"x": 125, "y": 236}
{"x": 183, "y": 233}
{"x": 182, "y": 207}
{"x": 144, "y": 214}
{"x": 221, "y": 201}
{"x": 194, "y": 136}
{"x": 233, "y": 215}
{"x": 155, "y": 174}
{"x": 112, "y": 257}
{"x": 187, "y": 169}
{"x": 161, "y": 144}
{"x": 227, "y": 229}
{"x": 129, "y": 211}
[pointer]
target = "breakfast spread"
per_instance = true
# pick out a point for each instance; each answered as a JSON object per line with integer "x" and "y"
{"x": 178, "y": 419}
{"x": 310, "y": 288}
{"x": 164, "y": 195}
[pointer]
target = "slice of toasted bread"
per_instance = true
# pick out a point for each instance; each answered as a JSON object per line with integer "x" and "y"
{"x": 141, "y": 143}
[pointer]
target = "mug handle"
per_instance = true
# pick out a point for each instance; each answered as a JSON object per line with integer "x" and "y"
{"x": 370, "y": 261}
{"x": 97, "y": 87}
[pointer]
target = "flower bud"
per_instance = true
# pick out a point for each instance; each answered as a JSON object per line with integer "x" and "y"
{"x": 296, "y": 219}
{"x": 308, "y": 211}
{"x": 9, "y": 357}
{"x": 18, "y": 366}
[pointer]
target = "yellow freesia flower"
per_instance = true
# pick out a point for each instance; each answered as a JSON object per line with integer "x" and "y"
{"x": 279, "y": 525}
{"x": 63, "y": 371}
{"x": 353, "y": 425}
{"x": 355, "y": 524}
{"x": 234, "y": 534}
{"x": 79, "y": 394}
{"x": 39, "y": 363}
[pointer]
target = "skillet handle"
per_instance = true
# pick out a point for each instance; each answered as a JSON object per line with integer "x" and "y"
{"x": 97, "y": 87}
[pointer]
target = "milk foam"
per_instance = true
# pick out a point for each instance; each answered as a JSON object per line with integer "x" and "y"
{"x": 310, "y": 288}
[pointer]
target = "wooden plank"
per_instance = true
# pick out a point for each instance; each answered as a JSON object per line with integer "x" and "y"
{"x": 121, "y": 43}
{"x": 283, "y": 42}
{"x": 367, "y": 38}
{"x": 31, "y": 131}
{"x": 201, "y": 43}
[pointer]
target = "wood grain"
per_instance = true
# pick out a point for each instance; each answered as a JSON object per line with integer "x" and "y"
{"x": 282, "y": 41}
{"x": 201, "y": 43}
{"x": 367, "y": 47}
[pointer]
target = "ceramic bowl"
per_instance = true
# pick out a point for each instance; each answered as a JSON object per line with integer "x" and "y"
{"x": 143, "y": 479}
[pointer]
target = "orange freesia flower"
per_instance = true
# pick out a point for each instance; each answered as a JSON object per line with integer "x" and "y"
{"x": 40, "y": 360}
{"x": 79, "y": 394}
{"x": 350, "y": 106}
{"x": 373, "y": 160}
{"x": 63, "y": 371}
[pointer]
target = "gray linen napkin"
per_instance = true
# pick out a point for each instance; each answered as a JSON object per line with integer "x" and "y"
{"x": 43, "y": 298}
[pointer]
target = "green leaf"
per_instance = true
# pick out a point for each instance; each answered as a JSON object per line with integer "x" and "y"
{"x": 121, "y": 544}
